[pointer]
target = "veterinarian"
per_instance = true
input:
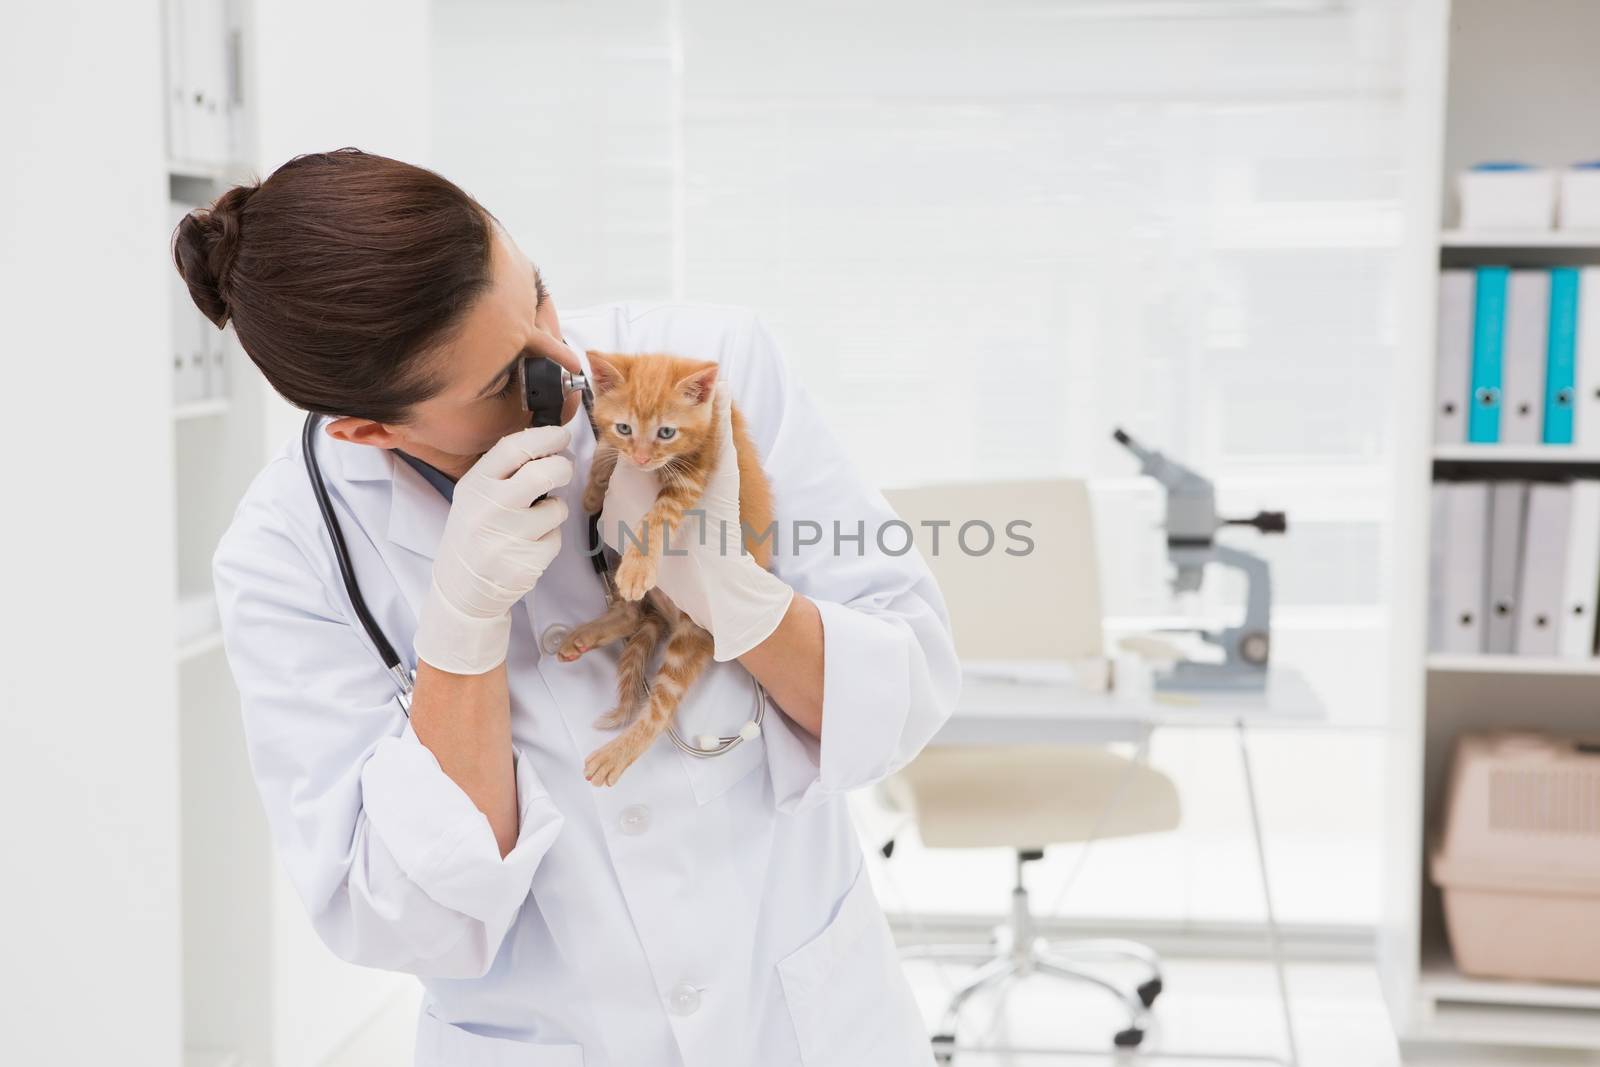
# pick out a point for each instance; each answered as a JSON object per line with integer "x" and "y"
{"x": 709, "y": 912}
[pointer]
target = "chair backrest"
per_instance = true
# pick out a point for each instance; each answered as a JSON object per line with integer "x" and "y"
{"x": 1035, "y": 602}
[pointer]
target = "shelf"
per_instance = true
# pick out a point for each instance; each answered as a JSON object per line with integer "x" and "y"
{"x": 194, "y": 170}
{"x": 199, "y": 646}
{"x": 1442, "y": 980}
{"x": 1485, "y": 664}
{"x": 199, "y": 630}
{"x": 209, "y": 172}
{"x": 1589, "y": 239}
{"x": 1512, "y": 454}
{"x": 1504, "y": 1011}
{"x": 196, "y": 1057}
{"x": 200, "y": 409}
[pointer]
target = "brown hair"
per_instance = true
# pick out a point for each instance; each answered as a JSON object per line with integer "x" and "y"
{"x": 340, "y": 272}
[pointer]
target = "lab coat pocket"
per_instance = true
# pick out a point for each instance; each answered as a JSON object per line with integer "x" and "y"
{"x": 442, "y": 1044}
{"x": 721, "y": 701}
{"x": 847, "y": 995}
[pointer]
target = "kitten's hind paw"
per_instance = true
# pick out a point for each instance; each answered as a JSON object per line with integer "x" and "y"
{"x": 606, "y": 763}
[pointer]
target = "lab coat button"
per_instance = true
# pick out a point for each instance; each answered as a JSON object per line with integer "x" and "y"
{"x": 554, "y": 634}
{"x": 685, "y": 999}
{"x": 635, "y": 819}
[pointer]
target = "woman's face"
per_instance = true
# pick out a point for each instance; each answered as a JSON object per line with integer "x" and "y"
{"x": 477, "y": 405}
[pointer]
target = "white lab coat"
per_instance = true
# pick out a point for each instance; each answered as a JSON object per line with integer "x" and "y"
{"x": 705, "y": 912}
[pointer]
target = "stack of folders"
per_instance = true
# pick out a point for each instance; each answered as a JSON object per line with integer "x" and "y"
{"x": 203, "y": 81}
{"x": 1515, "y": 568}
{"x": 199, "y": 355}
{"x": 1519, "y": 357}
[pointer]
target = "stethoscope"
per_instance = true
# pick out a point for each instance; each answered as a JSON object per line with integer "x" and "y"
{"x": 543, "y": 386}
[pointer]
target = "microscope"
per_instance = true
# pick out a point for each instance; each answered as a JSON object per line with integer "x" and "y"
{"x": 1191, "y": 522}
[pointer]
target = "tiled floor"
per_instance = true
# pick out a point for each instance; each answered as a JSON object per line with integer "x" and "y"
{"x": 1209, "y": 1006}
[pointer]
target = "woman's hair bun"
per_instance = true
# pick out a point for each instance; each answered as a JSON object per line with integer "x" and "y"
{"x": 205, "y": 246}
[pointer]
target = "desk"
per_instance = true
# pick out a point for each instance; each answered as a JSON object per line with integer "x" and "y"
{"x": 1023, "y": 703}
{"x": 1006, "y": 703}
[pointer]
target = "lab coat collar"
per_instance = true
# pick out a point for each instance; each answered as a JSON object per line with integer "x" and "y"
{"x": 417, "y": 512}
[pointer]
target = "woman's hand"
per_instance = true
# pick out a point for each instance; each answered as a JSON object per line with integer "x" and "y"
{"x": 704, "y": 568}
{"x": 495, "y": 546}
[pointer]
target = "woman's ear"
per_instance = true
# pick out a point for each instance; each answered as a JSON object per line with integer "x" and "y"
{"x": 606, "y": 372}
{"x": 360, "y": 431}
{"x": 696, "y": 388}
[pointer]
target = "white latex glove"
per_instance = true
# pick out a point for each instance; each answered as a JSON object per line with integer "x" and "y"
{"x": 724, "y": 590}
{"x": 494, "y": 548}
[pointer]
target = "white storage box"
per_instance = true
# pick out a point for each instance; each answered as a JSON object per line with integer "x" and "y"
{"x": 1580, "y": 197}
{"x": 1519, "y": 857}
{"x": 1507, "y": 196}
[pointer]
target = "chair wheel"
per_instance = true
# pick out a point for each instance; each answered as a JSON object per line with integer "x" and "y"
{"x": 1128, "y": 1038}
{"x": 1149, "y": 991}
{"x": 944, "y": 1048}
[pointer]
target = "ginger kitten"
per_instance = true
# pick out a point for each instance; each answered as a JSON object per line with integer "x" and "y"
{"x": 656, "y": 412}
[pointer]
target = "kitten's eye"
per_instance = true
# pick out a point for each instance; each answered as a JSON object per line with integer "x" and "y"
{"x": 624, "y": 429}
{"x": 667, "y": 433}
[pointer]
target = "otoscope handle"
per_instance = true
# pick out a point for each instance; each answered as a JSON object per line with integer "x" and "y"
{"x": 544, "y": 385}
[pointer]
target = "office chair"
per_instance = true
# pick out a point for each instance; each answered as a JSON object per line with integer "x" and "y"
{"x": 1044, "y": 605}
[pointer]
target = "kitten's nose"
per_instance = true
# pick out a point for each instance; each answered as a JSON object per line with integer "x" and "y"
{"x": 641, "y": 458}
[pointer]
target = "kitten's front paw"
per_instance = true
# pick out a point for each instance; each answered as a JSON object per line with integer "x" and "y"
{"x": 570, "y": 650}
{"x": 636, "y": 576}
{"x": 580, "y": 641}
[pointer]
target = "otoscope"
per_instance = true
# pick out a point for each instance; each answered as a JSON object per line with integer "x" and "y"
{"x": 543, "y": 384}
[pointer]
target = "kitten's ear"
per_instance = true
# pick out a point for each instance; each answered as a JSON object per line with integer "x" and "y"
{"x": 696, "y": 388}
{"x": 606, "y": 374}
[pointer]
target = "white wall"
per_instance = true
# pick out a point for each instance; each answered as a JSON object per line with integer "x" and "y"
{"x": 985, "y": 234}
{"x": 985, "y": 238}
{"x": 561, "y": 119}
{"x": 326, "y": 74}
{"x": 332, "y": 73}
{"x": 88, "y": 765}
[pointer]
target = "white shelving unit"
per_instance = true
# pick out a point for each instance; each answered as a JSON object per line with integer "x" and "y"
{"x": 1511, "y": 665}
{"x": 1512, "y": 454}
{"x": 1564, "y": 239}
{"x": 1489, "y": 79}
{"x": 218, "y": 445}
{"x": 260, "y": 989}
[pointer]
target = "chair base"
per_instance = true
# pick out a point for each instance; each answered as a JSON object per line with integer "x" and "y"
{"x": 1017, "y": 953}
